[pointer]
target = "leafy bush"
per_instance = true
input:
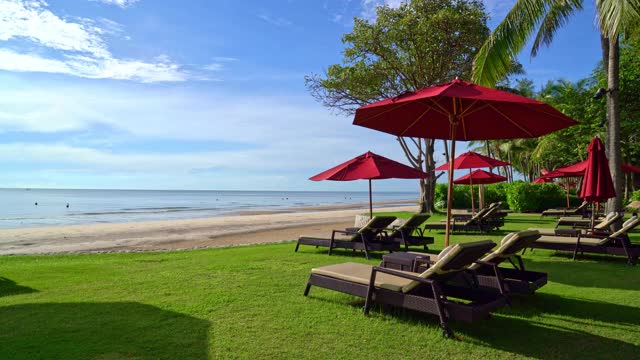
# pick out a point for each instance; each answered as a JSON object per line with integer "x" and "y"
{"x": 518, "y": 196}
{"x": 635, "y": 196}
{"x": 528, "y": 197}
{"x": 461, "y": 196}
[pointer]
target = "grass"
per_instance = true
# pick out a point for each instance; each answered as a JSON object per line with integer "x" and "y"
{"x": 246, "y": 302}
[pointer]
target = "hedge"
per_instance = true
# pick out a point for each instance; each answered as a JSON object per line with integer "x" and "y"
{"x": 518, "y": 196}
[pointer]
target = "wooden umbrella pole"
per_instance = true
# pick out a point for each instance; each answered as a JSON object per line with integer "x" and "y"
{"x": 370, "y": 202}
{"x": 450, "y": 188}
{"x": 473, "y": 209}
{"x": 566, "y": 184}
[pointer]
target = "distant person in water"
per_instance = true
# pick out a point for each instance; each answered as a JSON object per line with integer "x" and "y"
{"x": 36, "y": 203}
{"x": 67, "y": 205}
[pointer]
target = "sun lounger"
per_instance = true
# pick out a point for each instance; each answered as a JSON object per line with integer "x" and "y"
{"x": 474, "y": 224}
{"x": 514, "y": 280}
{"x": 576, "y": 222}
{"x": 601, "y": 227}
{"x": 371, "y": 237}
{"x": 617, "y": 243}
{"x": 580, "y": 210}
{"x": 410, "y": 233}
{"x": 426, "y": 292}
{"x": 466, "y": 215}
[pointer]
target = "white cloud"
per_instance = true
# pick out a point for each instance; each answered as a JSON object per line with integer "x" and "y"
{"x": 120, "y": 3}
{"x": 277, "y": 21}
{"x": 79, "y": 47}
{"x": 93, "y": 68}
{"x": 369, "y": 7}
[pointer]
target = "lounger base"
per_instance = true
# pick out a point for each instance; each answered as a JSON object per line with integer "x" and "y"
{"x": 347, "y": 244}
{"x": 482, "y": 303}
{"x": 515, "y": 281}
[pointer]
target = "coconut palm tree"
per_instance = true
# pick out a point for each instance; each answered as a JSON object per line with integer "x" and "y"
{"x": 544, "y": 18}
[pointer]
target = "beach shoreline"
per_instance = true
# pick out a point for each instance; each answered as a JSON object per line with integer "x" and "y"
{"x": 165, "y": 235}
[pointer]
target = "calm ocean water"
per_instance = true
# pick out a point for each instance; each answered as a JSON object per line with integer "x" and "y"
{"x": 19, "y": 207}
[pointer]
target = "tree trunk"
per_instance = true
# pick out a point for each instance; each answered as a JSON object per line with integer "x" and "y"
{"x": 613, "y": 126}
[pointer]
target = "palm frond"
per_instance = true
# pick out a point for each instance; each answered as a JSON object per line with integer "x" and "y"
{"x": 617, "y": 16}
{"x": 557, "y": 16}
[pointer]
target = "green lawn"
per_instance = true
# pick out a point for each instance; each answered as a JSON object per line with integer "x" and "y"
{"x": 246, "y": 302}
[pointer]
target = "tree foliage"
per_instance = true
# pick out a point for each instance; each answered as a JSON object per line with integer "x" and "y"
{"x": 421, "y": 43}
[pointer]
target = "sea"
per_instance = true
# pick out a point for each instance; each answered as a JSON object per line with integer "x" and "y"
{"x": 56, "y": 207}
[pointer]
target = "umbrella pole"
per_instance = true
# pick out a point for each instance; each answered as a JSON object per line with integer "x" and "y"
{"x": 566, "y": 185}
{"x": 370, "y": 202}
{"x": 473, "y": 209}
{"x": 450, "y": 188}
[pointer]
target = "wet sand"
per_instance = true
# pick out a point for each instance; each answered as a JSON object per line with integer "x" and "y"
{"x": 233, "y": 230}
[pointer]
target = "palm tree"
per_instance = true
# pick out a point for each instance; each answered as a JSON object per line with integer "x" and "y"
{"x": 543, "y": 18}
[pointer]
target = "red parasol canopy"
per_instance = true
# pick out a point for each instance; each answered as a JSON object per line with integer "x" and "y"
{"x": 597, "y": 185}
{"x": 461, "y": 110}
{"x": 577, "y": 170}
{"x": 370, "y": 166}
{"x": 472, "y": 160}
{"x": 542, "y": 180}
{"x": 480, "y": 177}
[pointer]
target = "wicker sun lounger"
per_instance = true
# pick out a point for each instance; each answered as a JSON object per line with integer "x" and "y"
{"x": 410, "y": 233}
{"x": 514, "y": 280}
{"x": 476, "y": 223}
{"x": 617, "y": 243}
{"x": 602, "y": 227}
{"x": 427, "y": 292}
{"x": 577, "y": 222}
{"x": 580, "y": 210}
{"x": 464, "y": 216}
{"x": 370, "y": 237}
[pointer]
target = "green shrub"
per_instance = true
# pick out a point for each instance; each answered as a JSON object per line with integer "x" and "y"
{"x": 635, "y": 196}
{"x": 461, "y": 196}
{"x": 529, "y": 197}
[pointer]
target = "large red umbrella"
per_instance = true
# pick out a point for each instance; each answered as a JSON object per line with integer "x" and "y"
{"x": 370, "y": 166}
{"x": 472, "y": 160}
{"x": 597, "y": 185}
{"x": 461, "y": 110}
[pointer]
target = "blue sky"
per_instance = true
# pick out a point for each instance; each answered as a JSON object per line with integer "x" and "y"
{"x": 197, "y": 94}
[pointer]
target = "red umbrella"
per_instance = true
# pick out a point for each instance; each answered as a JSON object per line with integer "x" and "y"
{"x": 542, "y": 180}
{"x": 471, "y": 160}
{"x": 597, "y": 185}
{"x": 372, "y": 167}
{"x": 579, "y": 168}
{"x": 461, "y": 110}
{"x": 480, "y": 177}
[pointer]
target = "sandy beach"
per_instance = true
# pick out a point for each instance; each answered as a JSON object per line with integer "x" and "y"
{"x": 251, "y": 228}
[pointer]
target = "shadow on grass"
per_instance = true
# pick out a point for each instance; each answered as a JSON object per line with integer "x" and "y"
{"x": 109, "y": 330}
{"x": 545, "y": 341}
{"x": 589, "y": 270}
{"x": 582, "y": 309}
{"x": 9, "y": 287}
{"x": 560, "y": 336}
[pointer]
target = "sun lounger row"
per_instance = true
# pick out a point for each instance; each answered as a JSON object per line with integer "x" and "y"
{"x": 484, "y": 220}
{"x": 468, "y": 272}
{"x": 376, "y": 235}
